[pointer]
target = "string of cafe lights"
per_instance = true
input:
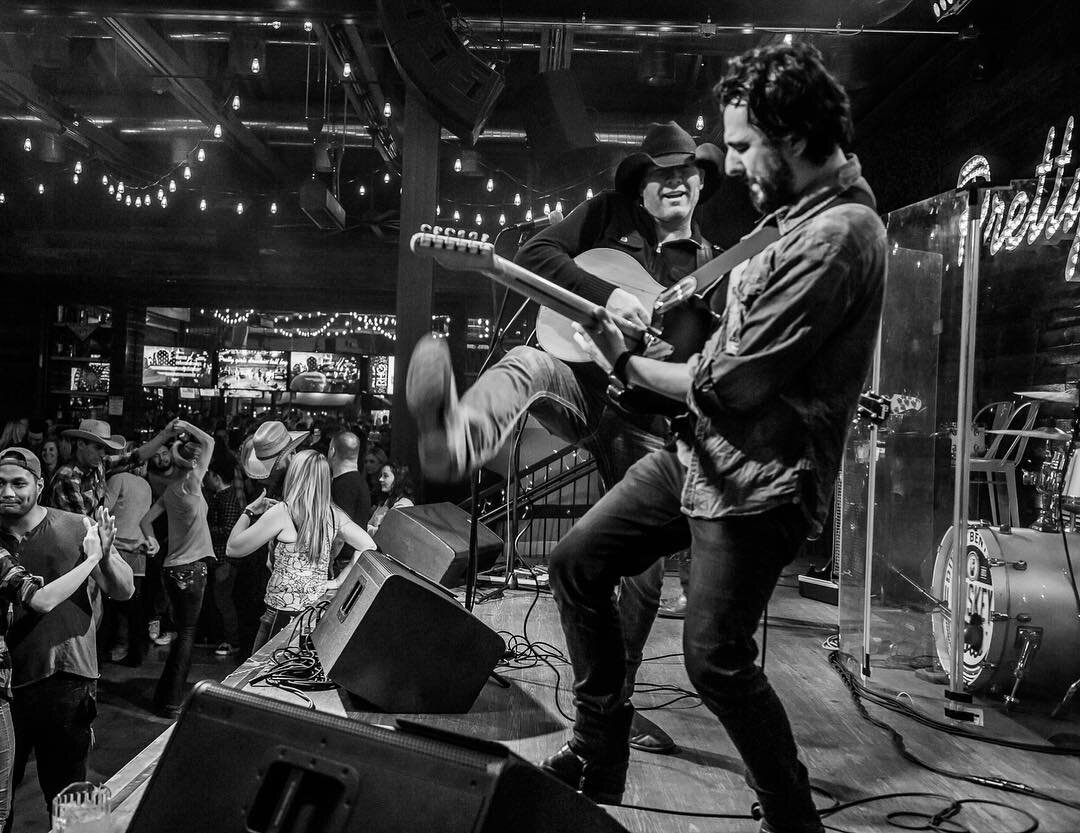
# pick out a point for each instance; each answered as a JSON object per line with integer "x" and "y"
{"x": 335, "y": 323}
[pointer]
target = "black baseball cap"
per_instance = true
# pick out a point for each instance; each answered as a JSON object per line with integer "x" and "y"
{"x": 23, "y": 458}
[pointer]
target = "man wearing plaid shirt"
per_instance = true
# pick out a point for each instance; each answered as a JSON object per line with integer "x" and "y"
{"x": 79, "y": 486}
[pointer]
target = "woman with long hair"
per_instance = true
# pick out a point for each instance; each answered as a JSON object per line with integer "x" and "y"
{"x": 395, "y": 492}
{"x": 374, "y": 460}
{"x": 50, "y": 460}
{"x": 14, "y": 433}
{"x": 302, "y": 527}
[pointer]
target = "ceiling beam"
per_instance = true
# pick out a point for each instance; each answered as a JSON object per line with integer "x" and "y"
{"x": 152, "y": 50}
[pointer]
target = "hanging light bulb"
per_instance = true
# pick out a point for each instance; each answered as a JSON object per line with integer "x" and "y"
{"x": 558, "y": 206}
{"x": 438, "y": 210}
{"x": 346, "y": 70}
{"x": 3, "y": 199}
{"x": 457, "y": 164}
{"x": 112, "y": 190}
{"x": 255, "y": 66}
{"x": 517, "y": 199}
{"x": 172, "y": 186}
{"x": 41, "y": 188}
{"x": 217, "y": 131}
{"x": 27, "y": 145}
{"x": 127, "y": 200}
{"x": 386, "y": 177}
{"x": 700, "y": 123}
{"x": 273, "y": 208}
{"x": 479, "y": 219}
{"x": 146, "y": 202}
{"x": 138, "y": 202}
{"x": 490, "y": 185}
{"x": 457, "y": 216}
{"x": 386, "y": 111}
{"x": 502, "y": 219}
{"x": 362, "y": 190}
{"x": 547, "y": 209}
{"x": 119, "y": 196}
{"x": 75, "y": 178}
{"x": 78, "y": 167}
{"x": 236, "y": 101}
{"x": 201, "y": 155}
{"x": 104, "y": 180}
{"x": 239, "y": 208}
{"x": 161, "y": 193}
{"x": 202, "y": 205}
{"x": 308, "y": 26}
{"x": 788, "y": 38}
{"x": 187, "y": 172}
{"x": 120, "y": 187}
{"x": 164, "y": 202}
{"x": 528, "y": 215}
{"x": 589, "y": 194}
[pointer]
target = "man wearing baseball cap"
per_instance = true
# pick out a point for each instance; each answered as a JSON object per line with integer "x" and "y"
{"x": 54, "y": 655}
{"x": 79, "y": 486}
{"x": 649, "y": 216}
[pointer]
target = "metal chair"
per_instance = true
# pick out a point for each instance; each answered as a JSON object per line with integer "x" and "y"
{"x": 1003, "y": 454}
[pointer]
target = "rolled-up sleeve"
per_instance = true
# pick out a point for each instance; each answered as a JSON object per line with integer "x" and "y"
{"x": 802, "y": 303}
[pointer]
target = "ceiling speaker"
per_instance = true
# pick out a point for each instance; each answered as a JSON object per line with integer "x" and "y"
{"x": 459, "y": 88}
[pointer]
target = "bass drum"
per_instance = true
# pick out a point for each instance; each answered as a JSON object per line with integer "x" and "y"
{"x": 1018, "y": 585}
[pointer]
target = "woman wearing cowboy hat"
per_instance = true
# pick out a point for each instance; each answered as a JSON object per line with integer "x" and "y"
{"x": 650, "y": 217}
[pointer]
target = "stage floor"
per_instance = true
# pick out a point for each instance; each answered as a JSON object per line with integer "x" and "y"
{"x": 846, "y": 755}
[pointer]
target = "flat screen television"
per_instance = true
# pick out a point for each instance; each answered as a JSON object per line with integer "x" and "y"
{"x": 92, "y": 377}
{"x": 257, "y": 370}
{"x": 323, "y": 372}
{"x": 174, "y": 367}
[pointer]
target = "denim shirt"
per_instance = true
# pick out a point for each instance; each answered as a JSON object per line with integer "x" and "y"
{"x": 776, "y": 387}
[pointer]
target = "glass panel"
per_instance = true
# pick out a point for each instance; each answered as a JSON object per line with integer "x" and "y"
{"x": 1022, "y": 609}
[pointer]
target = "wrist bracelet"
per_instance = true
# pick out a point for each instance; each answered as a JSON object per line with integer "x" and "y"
{"x": 251, "y": 515}
{"x": 618, "y": 369}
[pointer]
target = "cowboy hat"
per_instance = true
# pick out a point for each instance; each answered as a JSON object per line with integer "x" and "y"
{"x": 665, "y": 146}
{"x": 96, "y": 431}
{"x": 263, "y": 448}
{"x": 184, "y": 454}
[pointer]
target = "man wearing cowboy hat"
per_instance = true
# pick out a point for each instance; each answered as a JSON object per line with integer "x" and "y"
{"x": 650, "y": 217}
{"x": 79, "y": 486}
{"x": 264, "y": 457}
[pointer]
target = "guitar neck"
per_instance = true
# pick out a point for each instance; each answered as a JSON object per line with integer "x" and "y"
{"x": 459, "y": 253}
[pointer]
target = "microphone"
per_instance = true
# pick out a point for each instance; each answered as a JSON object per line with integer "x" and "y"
{"x": 535, "y": 225}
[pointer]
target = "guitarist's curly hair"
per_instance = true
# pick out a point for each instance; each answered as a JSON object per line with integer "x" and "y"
{"x": 788, "y": 92}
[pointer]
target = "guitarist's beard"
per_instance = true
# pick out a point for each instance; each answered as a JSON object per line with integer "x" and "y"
{"x": 773, "y": 189}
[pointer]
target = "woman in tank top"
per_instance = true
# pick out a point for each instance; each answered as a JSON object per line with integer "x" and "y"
{"x": 301, "y": 529}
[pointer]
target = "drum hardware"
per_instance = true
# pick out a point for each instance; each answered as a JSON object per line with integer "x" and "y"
{"x": 1029, "y": 640}
{"x": 1051, "y": 434}
{"x": 1019, "y": 565}
{"x": 1059, "y": 397}
{"x": 1064, "y": 704}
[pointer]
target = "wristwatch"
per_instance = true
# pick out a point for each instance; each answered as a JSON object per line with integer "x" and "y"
{"x": 251, "y": 515}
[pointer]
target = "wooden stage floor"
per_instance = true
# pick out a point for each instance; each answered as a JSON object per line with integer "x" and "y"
{"x": 846, "y": 755}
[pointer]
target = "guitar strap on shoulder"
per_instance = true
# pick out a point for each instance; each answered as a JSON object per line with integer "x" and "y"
{"x": 754, "y": 243}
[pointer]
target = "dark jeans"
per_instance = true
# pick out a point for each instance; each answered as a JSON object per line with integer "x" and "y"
{"x": 53, "y": 719}
{"x": 131, "y": 619}
{"x": 249, "y": 590}
{"x": 271, "y": 623}
{"x": 734, "y": 566}
{"x": 7, "y": 759}
{"x": 570, "y": 403}
{"x": 185, "y": 586}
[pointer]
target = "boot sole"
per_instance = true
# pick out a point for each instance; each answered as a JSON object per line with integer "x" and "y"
{"x": 428, "y": 391}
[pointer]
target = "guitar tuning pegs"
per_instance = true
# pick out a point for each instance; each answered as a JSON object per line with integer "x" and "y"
{"x": 473, "y": 235}
{"x": 484, "y": 238}
{"x": 461, "y": 233}
{"x": 436, "y": 229}
{"x": 425, "y": 228}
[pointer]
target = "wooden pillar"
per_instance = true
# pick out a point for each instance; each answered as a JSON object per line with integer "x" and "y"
{"x": 419, "y": 191}
{"x": 126, "y": 363}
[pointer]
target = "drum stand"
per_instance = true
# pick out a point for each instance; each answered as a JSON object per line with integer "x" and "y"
{"x": 1031, "y": 639}
{"x": 1064, "y": 704}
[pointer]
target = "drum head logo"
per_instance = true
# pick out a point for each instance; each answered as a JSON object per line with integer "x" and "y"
{"x": 978, "y": 619}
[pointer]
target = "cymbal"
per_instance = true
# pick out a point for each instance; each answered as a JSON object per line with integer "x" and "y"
{"x": 1052, "y": 434}
{"x": 1064, "y": 397}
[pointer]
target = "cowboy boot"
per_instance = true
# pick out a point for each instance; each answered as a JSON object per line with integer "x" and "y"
{"x": 602, "y": 781}
{"x": 432, "y": 399}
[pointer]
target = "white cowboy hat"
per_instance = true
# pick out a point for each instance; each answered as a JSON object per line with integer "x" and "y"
{"x": 263, "y": 448}
{"x": 96, "y": 431}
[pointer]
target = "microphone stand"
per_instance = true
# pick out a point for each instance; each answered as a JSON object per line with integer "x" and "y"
{"x": 497, "y": 334}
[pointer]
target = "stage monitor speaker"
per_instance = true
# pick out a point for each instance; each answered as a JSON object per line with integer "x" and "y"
{"x": 240, "y": 762}
{"x": 459, "y": 88}
{"x": 402, "y": 643}
{"x": 433, "y": 539}
{"x": 556, "y": 121}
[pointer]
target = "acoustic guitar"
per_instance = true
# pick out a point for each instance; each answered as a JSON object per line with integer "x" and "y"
{"x": 681, "y": 330}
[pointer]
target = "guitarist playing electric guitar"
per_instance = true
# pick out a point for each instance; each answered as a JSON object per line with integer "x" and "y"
{"x": 648, "y": 216}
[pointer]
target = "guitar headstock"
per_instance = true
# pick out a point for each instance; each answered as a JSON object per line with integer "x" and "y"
{"x": 454, "y": 250}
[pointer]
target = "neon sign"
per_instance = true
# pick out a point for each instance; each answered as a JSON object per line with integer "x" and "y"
{"x": 1025, "y": 219}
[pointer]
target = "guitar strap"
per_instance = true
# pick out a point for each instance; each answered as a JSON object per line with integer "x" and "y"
{"x": 707, "y": 275}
